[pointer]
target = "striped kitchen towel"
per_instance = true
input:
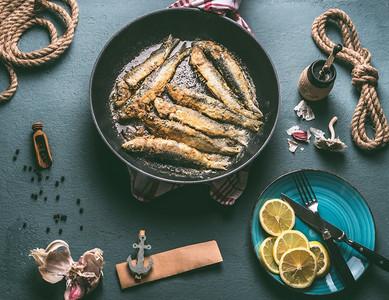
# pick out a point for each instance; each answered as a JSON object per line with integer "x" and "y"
{"x": 225, "y": 190}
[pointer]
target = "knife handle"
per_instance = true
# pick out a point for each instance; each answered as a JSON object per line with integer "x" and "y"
{"x": 374, "y": 257}
{"x": 340, "y": 264}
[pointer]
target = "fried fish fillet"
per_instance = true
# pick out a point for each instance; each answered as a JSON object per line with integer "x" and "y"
{"x": 185, "y": 134}
{"x": 198, "y": 121}
{"x": 232, "y": 72}
{"x": 173, "y": 151}
{"x": 216, "y": 83}
{"x": 209, "y": 106}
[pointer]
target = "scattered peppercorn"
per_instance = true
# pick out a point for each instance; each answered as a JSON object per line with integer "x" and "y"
{"x": 45, "y": 198}
{"x": 24, "y": 224}
{"x": 57, "y": 197}
{"x": 81, "y": 228}
{"x": 32, "y": 179}
{"x": 29, "y": 168}
{"x": 56, "y": 220}
{"x": 34, "y": 170}
{"x": 62, "y": 178}
{"x": 32, "y": 196}
{"x": 48, "y": 229}
{"x": 40, "y": 191}
{"x": 62, "y": 217}
{"x": 15, "y": 157}
{"x": 17, "y": 151}
{"x": 81, "y": 210}
{"x": 24, "y": 168}
{"x": 47, "y": 176}
{"x": 57, "y": 183}
{"x": 39, "y": 178}
{"x": 65, "y": 218}
{"x": 35, "y": 196}
{"x": 78, "y": 201}
{"x": 60, "y": 231}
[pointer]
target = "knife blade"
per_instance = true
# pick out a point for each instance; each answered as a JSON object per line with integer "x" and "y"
{"x": 308, "y": 217}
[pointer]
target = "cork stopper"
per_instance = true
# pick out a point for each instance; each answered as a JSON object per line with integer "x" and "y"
{"x": 37, "y": 126}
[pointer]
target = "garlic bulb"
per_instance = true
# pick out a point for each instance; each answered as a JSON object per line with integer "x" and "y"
{"x": 82, "y": 277}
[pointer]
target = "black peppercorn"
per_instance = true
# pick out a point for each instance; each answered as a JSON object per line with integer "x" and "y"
{"x": 47, "y": 176}
{"x": 60, "y": 231}
{"x": 45, "y": 198}
{"x": 57, "y": 183}
{"x": 29, "y": 168}
{"x": 48, "y": 229}
{"x": 24, "y": 224}
{"x": 24, "y": 168}
{"x": 15, "y": 157}
{"x": 62, "y": 178}
{"x": 32, "y": 179}
{"x": 81, "y": 228}
{"x": 32, "y": 196}
{"x": 57, "y": 197}
{"x": 40, "y": 192}
{"x": 17, "y": 151}
{"x": 78, "y": 201}
{"x": 81, "y": 210}
{"x": 56, "y": 220}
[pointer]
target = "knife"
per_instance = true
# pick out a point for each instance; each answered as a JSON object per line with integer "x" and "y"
{"x": 309, "y": 218}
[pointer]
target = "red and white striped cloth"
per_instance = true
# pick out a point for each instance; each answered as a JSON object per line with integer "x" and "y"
{"x": 227, "y": 8}
{"x": 225, "y": 190}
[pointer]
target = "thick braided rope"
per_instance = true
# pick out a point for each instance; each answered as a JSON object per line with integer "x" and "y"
{"x": 18, "y": 16}
{"x": 364, "y": 78}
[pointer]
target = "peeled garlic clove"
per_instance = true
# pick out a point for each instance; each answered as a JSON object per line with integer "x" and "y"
{"x": 54, "y": 262}
{"x": 73, "y": 290}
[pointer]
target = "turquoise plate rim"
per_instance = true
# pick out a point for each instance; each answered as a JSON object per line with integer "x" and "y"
{"x": 304, "y": 291}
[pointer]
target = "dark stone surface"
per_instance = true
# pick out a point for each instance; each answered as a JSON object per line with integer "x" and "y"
{"x": 57, "y": 96}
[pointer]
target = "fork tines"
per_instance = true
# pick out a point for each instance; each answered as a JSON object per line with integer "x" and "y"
{"x": 304, "y": 188}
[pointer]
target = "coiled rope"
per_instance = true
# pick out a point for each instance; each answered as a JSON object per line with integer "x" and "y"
{"x": 364, "y": 78}
{"x": 18, "y": 16}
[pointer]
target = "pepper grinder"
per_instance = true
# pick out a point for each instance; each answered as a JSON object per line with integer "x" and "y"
{"x": 41, "y": 146}
{"x": 317, "y": 80}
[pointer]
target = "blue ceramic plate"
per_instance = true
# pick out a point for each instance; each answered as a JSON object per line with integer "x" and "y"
{"x": 341, "y": 204}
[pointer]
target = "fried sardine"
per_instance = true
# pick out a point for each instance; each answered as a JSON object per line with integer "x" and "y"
{"x": 173, "y": 151}
{"x": 139, "y": 72}
{"x": 198, "y": 121}
{"x": 232, "y": 72}
{"x": 210, "y": 106}
{"x": 185, "y": 134}
{"x": 216, "y": 83}
{"x": 153, "y": 85}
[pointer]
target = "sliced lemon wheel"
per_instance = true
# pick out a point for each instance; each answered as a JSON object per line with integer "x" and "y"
{"x": 289, "y": 239}
{"x": 298, "y": 267}
{"x": 322, "y": 258}
{"x": 276, "y": 216}
{"x": 266, "y": 254}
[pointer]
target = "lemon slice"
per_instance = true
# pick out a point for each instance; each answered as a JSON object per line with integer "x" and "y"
{"x": 322, "y": 258}
{"x": 289, "y": 239}
{"x": 276, "y": 216}
{"x": 266, "y": 254}
{"x": 298, "y": 267}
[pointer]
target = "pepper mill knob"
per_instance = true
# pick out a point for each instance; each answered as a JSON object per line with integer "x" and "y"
{"x": 37, "y": 126}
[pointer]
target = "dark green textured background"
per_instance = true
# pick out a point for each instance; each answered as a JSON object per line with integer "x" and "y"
{"x": 57, "y": 95}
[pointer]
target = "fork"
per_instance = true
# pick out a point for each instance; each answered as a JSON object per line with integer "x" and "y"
{"x": 310, "y": 201}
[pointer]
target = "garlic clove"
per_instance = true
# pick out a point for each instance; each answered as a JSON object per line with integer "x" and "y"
{"x": 73, "y": 290}
{"x": 54, "y": 262}
{"x": 302, "y": 135}
{"x": 88, "y": 270}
